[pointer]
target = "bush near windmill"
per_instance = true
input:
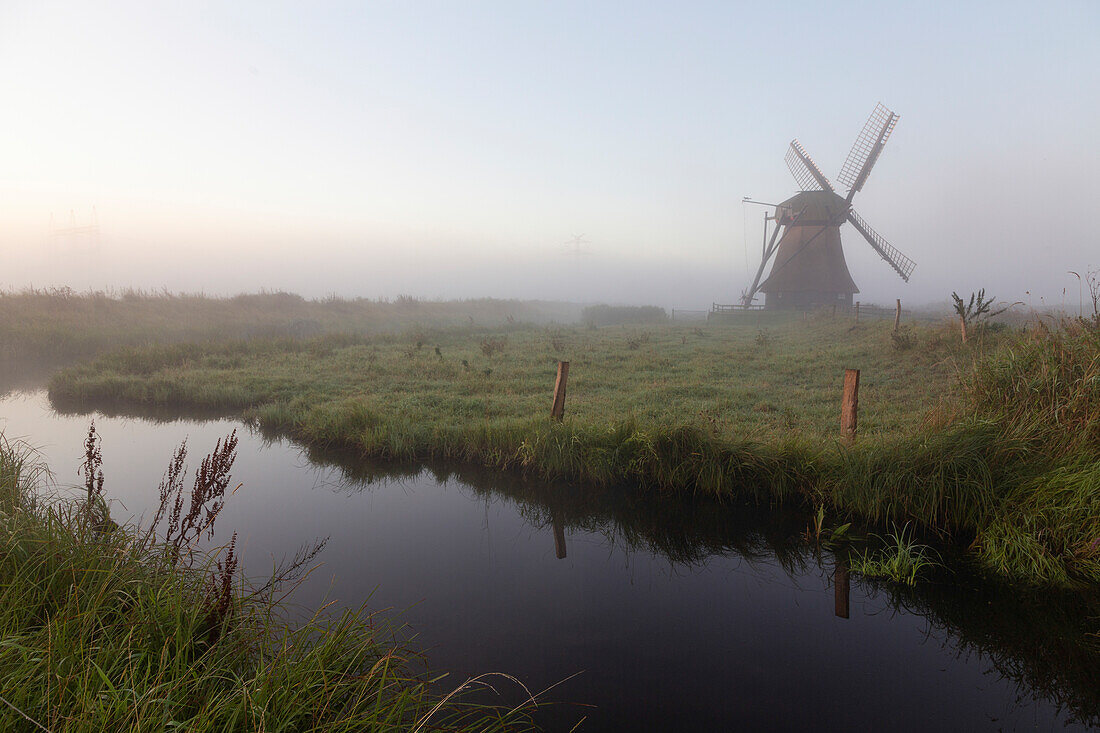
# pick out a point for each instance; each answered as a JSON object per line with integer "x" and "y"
{"x": 979, "y": 310}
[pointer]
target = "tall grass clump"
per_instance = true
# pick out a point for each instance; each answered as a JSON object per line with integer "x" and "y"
{"x": 1015, "y": 473}
{"x": 1043, "y": 391}
{"x": 107, "y": 628}
{"x": 901, "y": 558}
{"x": 1046, "y": 386}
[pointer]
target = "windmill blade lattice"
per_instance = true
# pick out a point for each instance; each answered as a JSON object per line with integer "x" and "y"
{"x": 901, "y": 264}
{"x": 804, "y": 170}
{"x": 868, "y": 146}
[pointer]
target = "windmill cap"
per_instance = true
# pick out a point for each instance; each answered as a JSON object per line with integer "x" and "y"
{"x": 812, "y": 208}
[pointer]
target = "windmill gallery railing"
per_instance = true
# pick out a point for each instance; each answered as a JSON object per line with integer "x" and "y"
{"x": 681, "y": 314}
{"x": 857, "y": 311}
{"x": 734, "y": 308}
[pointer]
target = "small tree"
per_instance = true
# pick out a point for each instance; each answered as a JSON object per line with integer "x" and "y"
{"x": 977, "y": 310}
{"x": 1092, "y": 280}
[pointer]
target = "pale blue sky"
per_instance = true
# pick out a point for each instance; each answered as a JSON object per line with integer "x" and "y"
{"x": 450, "y": 149}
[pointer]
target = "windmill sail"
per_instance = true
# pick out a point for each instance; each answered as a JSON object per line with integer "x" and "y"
{"x": 901, "y": 264}
{"x": 805, "y": 171}
{"x": 868, "y": 146}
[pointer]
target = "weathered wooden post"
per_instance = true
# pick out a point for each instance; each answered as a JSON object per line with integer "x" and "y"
{"x": 897, "y": 316}
{"x": 841, "y": 590}
{"x": 559, "y": 538}
{"x": 557, "y": 410}
{"x": 857, "y": 311}
{"x": 834, "y": 310}
{"x": 849, "y": 406}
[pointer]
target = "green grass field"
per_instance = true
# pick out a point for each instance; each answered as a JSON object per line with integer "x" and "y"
{"x": 992, "y": 444}
{"x": 733, "y": 381}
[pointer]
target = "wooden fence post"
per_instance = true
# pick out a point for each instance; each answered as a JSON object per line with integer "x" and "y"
{"x": 849, "y": 406}
{"x": 857, "y": 311}
{"x": 841, "y": 590}
{"x": 557, "y": 410}
{"x": 897, "y": 315}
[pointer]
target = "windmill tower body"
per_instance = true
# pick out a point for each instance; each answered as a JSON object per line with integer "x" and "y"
{"x": 809, "y": 269}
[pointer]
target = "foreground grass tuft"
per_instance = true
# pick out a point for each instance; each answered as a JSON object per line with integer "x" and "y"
{"x": 100, "y": 630}
{"x": 901, "y": 559}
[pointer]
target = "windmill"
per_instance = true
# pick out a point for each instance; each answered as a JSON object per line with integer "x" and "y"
{"x": 809, "y": 268}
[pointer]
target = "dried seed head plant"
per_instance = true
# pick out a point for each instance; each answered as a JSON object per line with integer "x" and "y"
{"x": 91, "y": 468}
{"x": 206, "y": 500}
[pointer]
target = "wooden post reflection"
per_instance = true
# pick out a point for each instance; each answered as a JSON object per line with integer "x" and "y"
{"x": 559, "y": 537}
{"x": 840, "y": 590}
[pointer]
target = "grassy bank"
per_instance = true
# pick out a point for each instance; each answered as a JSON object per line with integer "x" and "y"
{"x": 992, "y": 444}
{"x": 102, "y": 630}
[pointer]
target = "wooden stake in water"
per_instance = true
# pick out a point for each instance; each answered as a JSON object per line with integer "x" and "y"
{"x": 559, "y": 538}
{"x": 557, "y": 410}
{"x": 897, "y": 315}
{"x": 840, "y": 590}
{"x": 849, "y": 406}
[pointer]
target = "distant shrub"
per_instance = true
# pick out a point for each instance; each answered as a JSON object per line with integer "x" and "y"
{"x": 764, "y": 341}
{"x": 492, "y": 346}
{"x": 278, "y": 299}
{"x": 902, "y": 339}
{"x": 610, "y": 315}
{"x": 557, "y": 339}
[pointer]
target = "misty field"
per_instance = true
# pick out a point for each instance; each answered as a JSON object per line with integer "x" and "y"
{"x": 425, "y": 386}
{"x": 58, "y": 325}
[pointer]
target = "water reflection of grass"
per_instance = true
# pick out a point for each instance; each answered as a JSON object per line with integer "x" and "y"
{"x": 1046, "y": 641}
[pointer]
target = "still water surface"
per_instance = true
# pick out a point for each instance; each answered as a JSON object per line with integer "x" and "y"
{"x": 676, "y": 615}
